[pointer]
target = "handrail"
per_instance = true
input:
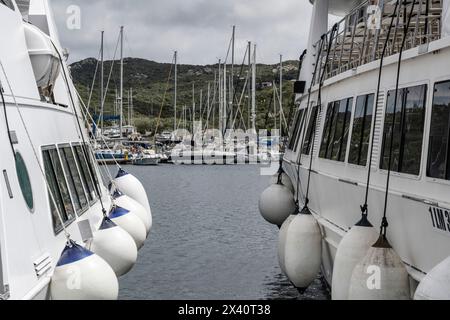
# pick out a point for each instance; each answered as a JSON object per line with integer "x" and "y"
{"x": 355, "y": 43}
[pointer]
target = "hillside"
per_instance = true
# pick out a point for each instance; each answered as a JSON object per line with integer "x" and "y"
{"x": 149, "y": 82}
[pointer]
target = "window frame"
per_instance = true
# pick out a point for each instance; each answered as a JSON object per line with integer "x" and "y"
{"x": 60, "y": 148}
{"x": 428, "y": 128}
{"x": 352, "y": 122}
{"x": 68, "y": 222}
{"x": 336, "y": 105}
{"x": 296, "y": 134}
{"x": 425, "y": 134}
{"x": 314, "y": 108}
{"x": 74, "y": 145}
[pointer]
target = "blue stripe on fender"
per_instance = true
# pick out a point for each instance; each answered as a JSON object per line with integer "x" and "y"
{"x": 117, "y": 212}
{"x": 117, "y": 194}
{"x": 121, "y": 173}
{"x": 73, "y": 253}
{"x": 107, "y": 224}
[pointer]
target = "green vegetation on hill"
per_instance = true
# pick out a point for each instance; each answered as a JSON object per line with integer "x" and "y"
{"x": 149, "y": 81}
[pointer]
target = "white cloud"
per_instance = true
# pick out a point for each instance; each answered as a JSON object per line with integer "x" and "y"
{"x": 199, "y": 29}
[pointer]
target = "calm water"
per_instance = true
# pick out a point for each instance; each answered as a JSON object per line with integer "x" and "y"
{"x": 208, "y": 239}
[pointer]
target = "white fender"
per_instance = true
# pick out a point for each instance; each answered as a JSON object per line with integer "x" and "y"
{"x": 135, "y": 207}
{"x": 352, "y": 249}
{"x": 436, "y": 284}
{"x": 82, "y": 275}
{"x": 276, "y": 204}
{"x": 381, "y": 275}
{"x": 115, "y": 246}
{"x": 132, "y": 187}
{"x": 282, "y": 243}
{"x": 303, "y": 255}
{"x": 131, "y": 223}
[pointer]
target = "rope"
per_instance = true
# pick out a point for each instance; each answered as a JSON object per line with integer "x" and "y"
{"x": 163, "y": 100}
{"x": 384, "y": 223}
{"x": 109, "y": 78}
{"x": 80, "y": 130}
{"x": 364, "y": 207}
{"x": 93, "y": 81}
{"x": 52, "y": 198}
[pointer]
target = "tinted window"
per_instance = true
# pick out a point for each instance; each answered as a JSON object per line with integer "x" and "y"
{"x": 337, "y": 125}
{"x": 84, "y": 171}
{"x": 362, "y": 123}
{"x": 408, "y": 116}
{"x": 310, "y": 131}
{"x": 438, "y": 153}
{"x": 297, "y": 128}
{"x": 59, "y": 190}
{"x": 73, "y": 178}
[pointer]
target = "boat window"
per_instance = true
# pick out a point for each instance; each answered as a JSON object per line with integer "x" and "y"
{"x": 8, "y": 3}
{"x": 409, "y": 118}
{"x": 24, "y": 181}
{"x": 310, "y": 131}
{"x": 438, "y": 153}
{"x": 362, "y": 123}
{"x": 84, "y": 170}
{"x": 59, "y": 190}
{"x": 337, "y": 125}
{"x": 73, "y": 179}
{"x": 296, "y": 130}
{"x": 91, "y": 161}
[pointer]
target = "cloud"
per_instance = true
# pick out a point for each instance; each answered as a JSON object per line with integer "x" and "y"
{"x": 199, "y": 29}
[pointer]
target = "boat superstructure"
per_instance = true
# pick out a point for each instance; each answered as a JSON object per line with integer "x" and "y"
{"x": 341, "y": 70}
{"x": 49, "y": 180}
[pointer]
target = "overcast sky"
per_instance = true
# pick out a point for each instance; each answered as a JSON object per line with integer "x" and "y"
{"x": 199, "y": 29}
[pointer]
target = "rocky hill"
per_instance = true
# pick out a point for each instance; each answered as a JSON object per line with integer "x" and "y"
{"x": 153, "y": 92}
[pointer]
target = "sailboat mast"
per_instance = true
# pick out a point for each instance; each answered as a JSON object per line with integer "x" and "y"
{"x": 208, "y": 106}
{"x": 220, "y": 96}
{"x": 101, "y": 80}
{"x": 121, "y": 81}
{"x": 225, "y": 98}
{"x": 254, "y": 90}
{"x": 175, "y": 94}
{"x": 281, "y": 92}
{"x": 233, "y": 38}
{"x": 132, "y": 110}
{"x": 274, "y": 86}
{"x": 249, "y": 87}
{"x": 193, "y": 107}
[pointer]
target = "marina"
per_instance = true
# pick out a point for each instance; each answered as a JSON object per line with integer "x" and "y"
{"x": 320, "y": 178}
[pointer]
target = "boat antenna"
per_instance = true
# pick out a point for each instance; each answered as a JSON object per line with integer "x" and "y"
{"x": 365, "y": 207}
{"x": 384, "y": 223}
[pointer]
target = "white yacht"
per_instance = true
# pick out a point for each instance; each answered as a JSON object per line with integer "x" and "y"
{"x": 50, "y": 187}
{"x": 346, "y": 91}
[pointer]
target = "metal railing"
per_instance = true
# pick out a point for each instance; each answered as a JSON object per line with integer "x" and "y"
{"x": 361, "y": 35}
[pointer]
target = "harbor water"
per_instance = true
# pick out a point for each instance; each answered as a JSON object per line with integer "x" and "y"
{"x": 208, "y": 239}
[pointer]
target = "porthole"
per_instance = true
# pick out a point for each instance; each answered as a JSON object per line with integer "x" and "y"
{"x": 24, "y": 181}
